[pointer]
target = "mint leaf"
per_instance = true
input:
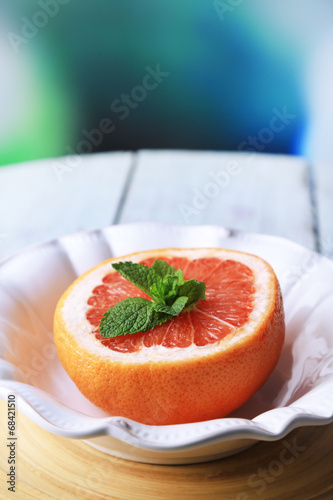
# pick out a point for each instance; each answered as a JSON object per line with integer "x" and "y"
{"x": 162, "y": 268}
{"x": 192, "y": 289}
{"x": 164, "y": 284}
{"x": 140, "y": 275}
{"x": 131, "y": 315}
{"x": 175, "y": 309}
{"x": 166, "y": 290}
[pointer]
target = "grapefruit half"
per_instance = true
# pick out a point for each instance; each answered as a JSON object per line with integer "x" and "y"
{"x": 201, "y": 365}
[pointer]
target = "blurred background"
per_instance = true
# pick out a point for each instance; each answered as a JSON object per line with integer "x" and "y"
{"x": 79, "y": 76}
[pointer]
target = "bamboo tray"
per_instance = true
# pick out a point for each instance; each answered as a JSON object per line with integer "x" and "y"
{"x": 300, "y": 466}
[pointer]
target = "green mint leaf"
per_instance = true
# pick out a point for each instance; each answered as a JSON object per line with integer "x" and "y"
{"x": 175, "y": 309}
{"x": 128, "y": 316}
{"x": 162, "y": 268}
{"x": 164, "y": 284}
{"x": 141, "y": 276}
{"x": 192, "y": 289}
{"x": 131, "y": 315}
{"x": 180, "y": 276}
{"x": 166, "y": 290}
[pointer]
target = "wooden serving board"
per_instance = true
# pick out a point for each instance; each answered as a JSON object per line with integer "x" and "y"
{"x": 300, "y": 466}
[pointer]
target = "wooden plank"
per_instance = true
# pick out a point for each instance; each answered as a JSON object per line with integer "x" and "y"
{"x": 259, "y": 192}
{"x": 323, "y": 176}
{"x": 297, "y": 467}
{"x": 45, "y": 199}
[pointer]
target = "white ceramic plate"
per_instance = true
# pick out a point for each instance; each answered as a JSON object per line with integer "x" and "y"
{"x": 298, "y": 393}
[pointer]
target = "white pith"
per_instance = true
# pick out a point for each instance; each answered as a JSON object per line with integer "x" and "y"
{"x": 75, "y": 307}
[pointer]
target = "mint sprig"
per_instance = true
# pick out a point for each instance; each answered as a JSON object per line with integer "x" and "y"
{"x": 165, "y": 285}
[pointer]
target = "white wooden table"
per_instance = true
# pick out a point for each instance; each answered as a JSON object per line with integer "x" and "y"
{"x": 262, "y": 193}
